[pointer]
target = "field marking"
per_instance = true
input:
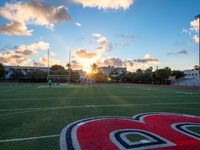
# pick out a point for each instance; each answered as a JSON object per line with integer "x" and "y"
{"x": 89, "y": 106}
{"x": 171, "y": 107}
{"x": 186, "y": 93}
{"x": 97, "y": 97}
{"x": 29, "y": 138}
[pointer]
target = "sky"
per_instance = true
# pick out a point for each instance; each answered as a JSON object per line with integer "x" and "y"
{"x": 122, "y": 33}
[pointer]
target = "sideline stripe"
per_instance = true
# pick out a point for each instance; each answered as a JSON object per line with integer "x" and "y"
{"x": 93, "y": 106}
{"x": 29, "y": 138}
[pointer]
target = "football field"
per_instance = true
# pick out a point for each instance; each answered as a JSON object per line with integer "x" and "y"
{"x": 33, "y": 116}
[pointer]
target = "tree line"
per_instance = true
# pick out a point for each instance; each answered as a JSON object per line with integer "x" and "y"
{"x": 38, "y": 75}
{"x": 159, "y": 76}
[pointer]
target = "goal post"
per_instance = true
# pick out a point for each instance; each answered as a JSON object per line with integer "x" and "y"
{"x": 58, "y": 78}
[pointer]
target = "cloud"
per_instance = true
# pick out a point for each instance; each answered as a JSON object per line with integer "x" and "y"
{"x": 86, "y": 58}
{"x": 44, "y": 62}
{"x": 196, "y": 38}
{"x": 123, "y": 40}
{"x": 2, "y": 49}
{"x": 34, "y": 12}
{"x": 15, "y": 28}
{"x": 126, "y": 36}
{"x": 147, "y": 59}
{"x": 82, "y": 53}
{"x": 103, "y": 46}
{"x": 118, "y": 62}
{"x": 182, "y": 52}
{"x": 13, "y": 59}
{"x": 106, "y": 4}
{"x": 41, "y": 45}
{"x": 21, "y": 54}
{"x": 194, "y": 26}
{"x": 76, "y": 65}
{"x": 78, "y": 24}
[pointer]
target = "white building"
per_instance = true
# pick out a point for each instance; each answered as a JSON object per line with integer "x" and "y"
{"x": 109, "y": 69}
{"x": 24, "y": 69}
{"x": 191, "y": 73}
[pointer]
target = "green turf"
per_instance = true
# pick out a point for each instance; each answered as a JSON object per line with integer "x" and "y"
{"x": 195, "y": 129}
{"x": 35, "y": 110}
{"x": 135, "y": 137}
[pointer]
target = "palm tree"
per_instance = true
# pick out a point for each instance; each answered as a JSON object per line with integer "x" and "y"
{"x": 94, "y": 68}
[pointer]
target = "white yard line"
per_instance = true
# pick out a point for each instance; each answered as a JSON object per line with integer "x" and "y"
{"x": 95, "y": 97}
{"x": 72, "y": 97}
{"x": 187, "y": 93}
{"x": 92, "y": 106}
{"x": 29, "y": 138}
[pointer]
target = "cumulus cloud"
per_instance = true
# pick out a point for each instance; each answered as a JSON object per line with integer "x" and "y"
{"x": 15, "y": 28}
{"x": 117, "y": 62}
{"x": 41, "y": 45}
{"x": 182, "y": 52}
{"x": 106, "y": 4}
{"x": 194, "y": 26}
{"x": 103, "y": 46}
{"x": 88, "y": 57}
{"x": 82, "y": 53}
{"x": 44, "y": 62}
{"x": 21, "y": 54}
{"x": 76, "y": 65}
{"x": 196, "y": 38}
{"x": 147, "y": 59}
{"x": 34, "y": 12}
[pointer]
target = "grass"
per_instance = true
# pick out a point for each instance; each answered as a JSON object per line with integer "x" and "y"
{"x": 35, "y": 110}
{"x": 135, "y": 137}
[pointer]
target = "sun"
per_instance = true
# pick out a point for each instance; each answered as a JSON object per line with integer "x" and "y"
{"x": 87, "y": 69}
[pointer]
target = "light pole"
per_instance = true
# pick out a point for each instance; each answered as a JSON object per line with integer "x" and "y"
{"x": 48, "y": 65}
{"x": 198, "y": 18}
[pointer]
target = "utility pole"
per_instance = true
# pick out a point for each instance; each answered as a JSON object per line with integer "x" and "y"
{"x": 48, "y": 65}
{"x": 198, "y": 19}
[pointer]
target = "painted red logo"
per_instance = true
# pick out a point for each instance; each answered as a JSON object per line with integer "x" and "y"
{"x": 161, "y": 131}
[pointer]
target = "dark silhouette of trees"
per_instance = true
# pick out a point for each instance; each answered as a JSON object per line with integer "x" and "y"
{"x": 178, "y": 74}
{"x": 2, "y": 71}
{"x": 94, "y": 68}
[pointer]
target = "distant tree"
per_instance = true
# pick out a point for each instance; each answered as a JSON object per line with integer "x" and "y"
{"x": 163, "y": 74}
{"x": 36, "y": 74}
{"x": 148, "y": 74}
{"x": 196, "y": 67}
{"x": 58, "y": 70}
{"x": 74, "y": 76}
{"x": 2, "y": 71}
{"x": 17, "y": 74}
{"x": 123, "y": 77}
{"x": 94, "y": 68}
{"x": 100, "y": 77}
{"x": 139, "y": 71}
{"x": 114, "y": 75}
{"x": 178, "y": 74}
{"x": 56, "y": 67}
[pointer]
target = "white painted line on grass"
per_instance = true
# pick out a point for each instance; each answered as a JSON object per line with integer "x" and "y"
{"x": 90, "y": 97}
{"x": 70, "y": 97}
{"x": 90, "y": 106}
{"x": 29, "y": 138}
